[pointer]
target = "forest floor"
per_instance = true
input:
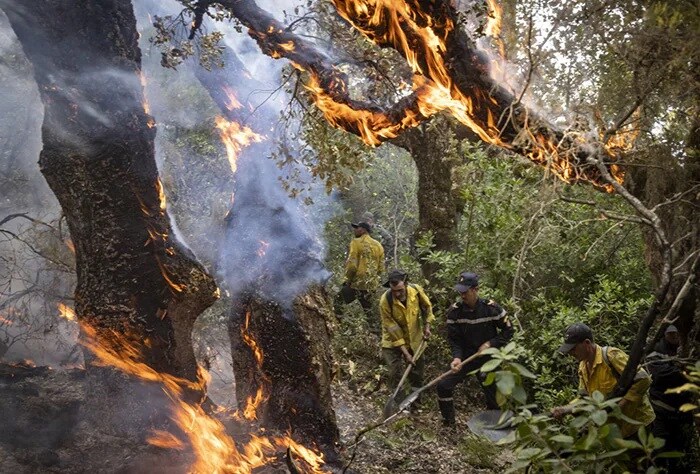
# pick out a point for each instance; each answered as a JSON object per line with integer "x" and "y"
{"x": 415, "y": 442}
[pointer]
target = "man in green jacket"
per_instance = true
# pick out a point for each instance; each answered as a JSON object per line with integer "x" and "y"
{"x": 363, "y": 269}
{"x": 406, "y": 314}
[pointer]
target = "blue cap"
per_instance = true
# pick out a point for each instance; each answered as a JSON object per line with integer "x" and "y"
{"x": 466, "y": 281}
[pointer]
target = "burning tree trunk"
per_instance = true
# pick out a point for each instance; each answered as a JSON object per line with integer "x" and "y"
{"x": 283, "y": 365}
{"x": 98, "y": 158}
{"x": 279, "y": 327}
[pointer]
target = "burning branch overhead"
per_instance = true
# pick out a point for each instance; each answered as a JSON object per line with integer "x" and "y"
{"x": 450, "y": 75}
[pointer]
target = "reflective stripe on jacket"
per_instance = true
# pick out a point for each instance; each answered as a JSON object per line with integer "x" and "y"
{"x": 403, "y": 325}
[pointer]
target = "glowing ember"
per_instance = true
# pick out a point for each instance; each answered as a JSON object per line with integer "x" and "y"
{"x": 66, "y": 312}
{"x": 215, "y": 451}
{"x": 6, "y": 321}
{"x": 164, "y": 271}
{"x": 235, "y": 137}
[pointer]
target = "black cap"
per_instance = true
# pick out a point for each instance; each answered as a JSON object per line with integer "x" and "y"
{"x": 394, "y": 277}
{"x": 576, "y": 333}
{"x": 466, "y": 280}
{"x": 671, "y": 328}
{"x": 364, "y": 225}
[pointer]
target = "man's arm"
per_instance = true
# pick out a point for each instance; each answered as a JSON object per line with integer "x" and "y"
{"x": 426, "y": 309}
{"x": 642, "y": 381}
{"x": 453, "y": 337}
{"x": 504, "y": 327}
{"x": 351, "y": 263}
{"x": 389, "y": 324}
{"x": 393, "y": 330}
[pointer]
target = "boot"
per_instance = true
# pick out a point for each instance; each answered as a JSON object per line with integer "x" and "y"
{"x": 447, "y": 409}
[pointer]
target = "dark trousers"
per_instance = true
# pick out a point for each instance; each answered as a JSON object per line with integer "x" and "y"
{"x": 446, "y": 387}
{"x": 397, "y": 365}
{"x": 679, "y": 432}
{"x": 366, "y": 300}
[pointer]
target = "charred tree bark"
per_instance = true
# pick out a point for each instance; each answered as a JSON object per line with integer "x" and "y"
{"x": 98, "y": 158}
{"x": 295, "y": 374}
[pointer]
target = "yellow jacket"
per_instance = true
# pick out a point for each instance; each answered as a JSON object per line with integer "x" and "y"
{"x": 365, "y": 263}
{"x": 602, "y": 378}
{"x": 403, "y": 325}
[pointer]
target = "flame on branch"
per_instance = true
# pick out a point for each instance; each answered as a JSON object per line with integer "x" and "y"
{"x": 449, "y": 74}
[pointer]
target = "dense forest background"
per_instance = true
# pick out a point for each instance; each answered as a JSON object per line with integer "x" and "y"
{"x": 624, "y": 75}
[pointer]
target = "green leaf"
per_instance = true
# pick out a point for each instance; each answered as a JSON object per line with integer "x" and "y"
{"x": 505, "y": 382}
{"x": 528, "y": 453}
{"x": 599, "y": 417}
{"x": 598, "y": 397}
{"x": 523, "y": 371}
{"x": 565, "y": 439}
{"x": 490, "y": 365}
{"x": 670, "y": 454}
{"x": 628, "y": 444}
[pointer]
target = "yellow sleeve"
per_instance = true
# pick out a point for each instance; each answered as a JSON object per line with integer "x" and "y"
{"x": 380, "y": 260}
{"x": 642, "y": 381}
{"x": 351, "y": 263}
{"x": 425, "y": 303}
{"x": 390, "y": 326}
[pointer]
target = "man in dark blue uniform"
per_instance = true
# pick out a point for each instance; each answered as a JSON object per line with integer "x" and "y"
{"x": 472, "y": 326}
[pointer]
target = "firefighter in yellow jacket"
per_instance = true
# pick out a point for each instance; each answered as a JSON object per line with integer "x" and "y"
{"x": 406, "y": 314}
{"x": 599, "y": 368}
{"x": 363, "y": 269}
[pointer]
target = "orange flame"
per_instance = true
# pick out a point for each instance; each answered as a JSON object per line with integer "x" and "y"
{"x": 422, "y": 37}
{"x": 161, "y": 195}
{"x": 233, "y": 102}
{"x": 254, "y": 401}
{"x": 215, "y": 451}
{"x": 66, "y": 312}
{"x": 71, "y": 246}
{"x": 146, "y": 106}
{"x": 235, "y": 137}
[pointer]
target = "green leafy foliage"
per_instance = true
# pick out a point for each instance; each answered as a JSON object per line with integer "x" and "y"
{"x": 588, "y": 440}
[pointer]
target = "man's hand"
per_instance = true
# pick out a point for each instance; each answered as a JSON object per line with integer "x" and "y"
{"x": 407, "y": 355}
{"x": 559, "y": 412}
{"x": 454, "y": 365}
{"x": 484, "y": 346}
{"x": 426, "y": 331}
